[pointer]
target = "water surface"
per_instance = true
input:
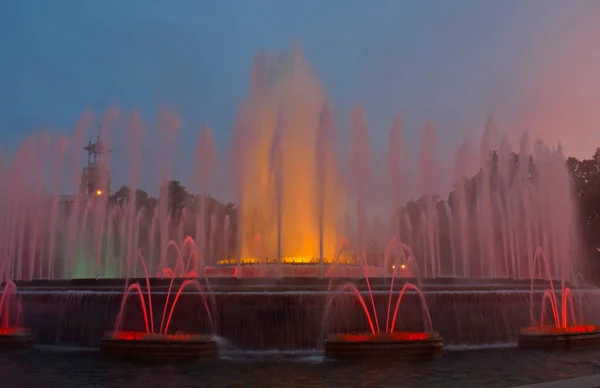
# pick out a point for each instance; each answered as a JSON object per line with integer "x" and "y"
{"x": 51, "y": 367}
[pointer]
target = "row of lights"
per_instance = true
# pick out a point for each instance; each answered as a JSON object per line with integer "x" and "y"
{"x": 285, "y": 260}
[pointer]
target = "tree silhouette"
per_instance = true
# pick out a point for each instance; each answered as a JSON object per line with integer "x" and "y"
{"x": 177, "y": 197}
{"x": 123, "y": 196}
{"x": 586, "y": 182}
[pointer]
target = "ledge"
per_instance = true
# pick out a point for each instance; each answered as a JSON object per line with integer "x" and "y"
{"x": 144, "y": 346}
{"x": 413, "y": 345}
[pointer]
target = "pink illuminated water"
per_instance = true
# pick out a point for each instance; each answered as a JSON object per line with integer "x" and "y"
{"x": 297, "y": 180}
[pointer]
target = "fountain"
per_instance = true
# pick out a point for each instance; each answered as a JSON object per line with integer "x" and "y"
{"x": 12, "y": 334}
{"x": 309, "y": 203}
{"x": 562, "y": 334}
{"x": 288, "y": 217}
{"x": 161, "y": 344}
{"x": 386, "y": 342}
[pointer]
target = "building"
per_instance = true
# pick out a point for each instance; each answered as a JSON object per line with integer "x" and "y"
{"x": 95, "y": 178}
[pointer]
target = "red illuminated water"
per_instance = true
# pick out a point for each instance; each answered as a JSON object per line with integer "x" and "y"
{"x": 168, "y": 308}
{"x": 145, "y": 336}
{"x": 560, "y": 330}
{"x": 562, "y": 312}
{"x": 394, "y": 336}
{"x": 369, "y": 308}
{"x": 10, "y": 310}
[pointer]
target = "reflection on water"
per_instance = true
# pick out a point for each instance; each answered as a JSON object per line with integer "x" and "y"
{"x": 481, "y": 368}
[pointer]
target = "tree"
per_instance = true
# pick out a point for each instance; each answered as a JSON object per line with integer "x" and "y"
{"x": 586, "y": 180}
{"x": 177, "y": 195}
{"x": 123, "y": 196}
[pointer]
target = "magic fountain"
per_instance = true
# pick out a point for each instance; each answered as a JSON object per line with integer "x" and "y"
{"x": 311, "y": 210}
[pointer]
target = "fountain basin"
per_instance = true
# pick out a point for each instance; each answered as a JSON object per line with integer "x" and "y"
{"x": 551, "y": 337}
{"x": 15, "y": 338}
{"x": 142, "y": 345}
{"x": 413, "y": 345}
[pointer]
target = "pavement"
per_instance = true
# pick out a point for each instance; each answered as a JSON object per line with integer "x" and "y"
{"x": 592, "y": 381}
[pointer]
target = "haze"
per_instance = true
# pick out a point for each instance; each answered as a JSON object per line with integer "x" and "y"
{"x": 532, "y": 64}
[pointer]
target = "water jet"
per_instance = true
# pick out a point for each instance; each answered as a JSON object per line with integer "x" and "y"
{"x": 12, "y": 335}
{"x": 564, "y": 334}
{"x": 159, "y": 344}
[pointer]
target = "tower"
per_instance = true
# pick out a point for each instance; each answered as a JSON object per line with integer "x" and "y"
{"x": 95, "y": 178}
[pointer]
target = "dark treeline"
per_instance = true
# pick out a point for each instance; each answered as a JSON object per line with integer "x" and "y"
{"x": 586, "y": 182}
{"x": 585, "y": 176}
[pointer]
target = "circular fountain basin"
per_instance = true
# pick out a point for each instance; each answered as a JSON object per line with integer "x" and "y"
{"x": 551, "y": 337}
{"x": 15, "y": 338}
{"x": 410, "y": 345}
{"x": 141, "y": 345}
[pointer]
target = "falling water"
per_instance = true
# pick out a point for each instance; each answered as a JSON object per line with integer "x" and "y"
{"x": 295, "y": 192}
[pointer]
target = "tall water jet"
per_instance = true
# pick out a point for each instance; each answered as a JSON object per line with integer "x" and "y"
{"x": 202, "y": 178}
{"x": 284, "y": 83}
{"x": 429, "y": 177}
{"x": 361, "y": 160}
{"x": 395, "y": 177}
{"x": 324, "y": 146}
{"x": 135, "y": 135}
{"x": 484, "y": 226}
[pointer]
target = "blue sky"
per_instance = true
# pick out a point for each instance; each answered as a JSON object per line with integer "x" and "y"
{"x": 450, "y": 62}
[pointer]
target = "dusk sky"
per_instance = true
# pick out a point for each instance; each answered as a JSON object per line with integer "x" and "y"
{"x": 533, "y": 64}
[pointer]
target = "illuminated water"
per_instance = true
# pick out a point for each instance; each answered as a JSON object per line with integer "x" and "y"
{"x": 482, "y": 368}
{"x": 309, "y": 191}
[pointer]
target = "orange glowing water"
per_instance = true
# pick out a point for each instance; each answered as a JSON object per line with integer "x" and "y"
{"x": 281, "y": 198}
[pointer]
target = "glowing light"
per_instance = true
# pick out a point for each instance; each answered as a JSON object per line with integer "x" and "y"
{"x": 403, "y": 266}
{"x": 394, "y": 266}
{"x": 394, "y": 336}
{"x": 10, "y": 330}
{"x": 287, "y": 260}
{"x": 98, "y": 193}
{"x": 560, "y": 330}
{"x": 142, "y": 336}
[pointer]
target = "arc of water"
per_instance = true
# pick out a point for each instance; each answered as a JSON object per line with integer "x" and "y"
{"x": 552, "y": 295}
{"x": 194, "y": 254}
{"x": 185, "y": 284}
{"x": 344, "y": 245}
{"x": 363, "y": 266}
{"x": 132, "y": 287}
{"x": 139, "y": 256}
{"x": 426, "y": 315}
{"x": 178, "y": 261}
{"x": 172, "y": 274}
{"x": 567, "y": 297}
{"x": 387, "y": 320}
{"x": 388, "y": 251}
{"x": 549, "y": 297}
{"x": 349, "y": 287}
{"x": 10, "y": 289}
